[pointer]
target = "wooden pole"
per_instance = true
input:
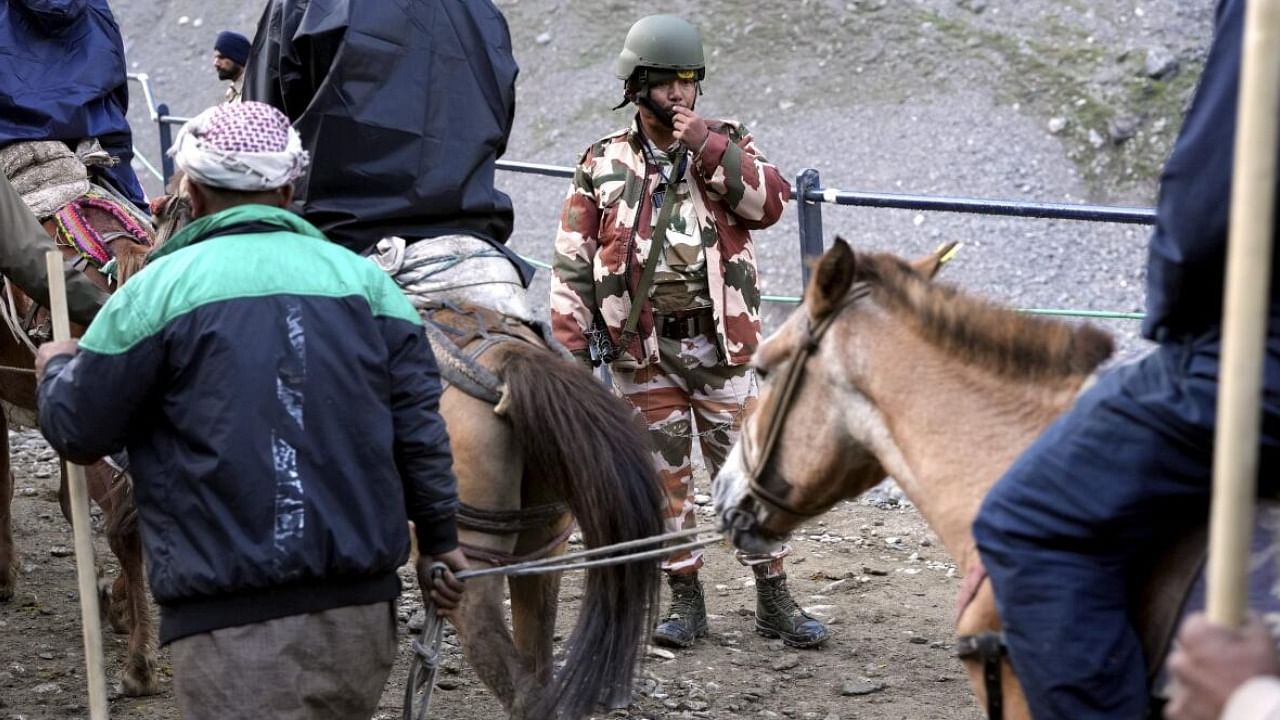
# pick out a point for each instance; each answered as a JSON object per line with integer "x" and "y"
{"x": 91, "y": 623}
{"x": 1244, "y": 327}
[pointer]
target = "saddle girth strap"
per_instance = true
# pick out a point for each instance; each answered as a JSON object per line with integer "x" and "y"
{"x": 990, "y": 648}
{"x": 501, "y": 522}
{"x": 498, "y": 558}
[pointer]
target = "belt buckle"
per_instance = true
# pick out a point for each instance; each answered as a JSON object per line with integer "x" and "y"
{"x": 675, "y": 327}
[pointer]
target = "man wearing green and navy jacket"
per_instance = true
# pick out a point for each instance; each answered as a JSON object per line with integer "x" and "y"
{"x": 279, "y": 404}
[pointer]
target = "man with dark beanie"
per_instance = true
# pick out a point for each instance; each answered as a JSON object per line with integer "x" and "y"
{"x": 230, "y": 53}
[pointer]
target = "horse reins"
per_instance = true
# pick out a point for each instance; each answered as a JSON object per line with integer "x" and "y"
{"x": 780, "y": 406}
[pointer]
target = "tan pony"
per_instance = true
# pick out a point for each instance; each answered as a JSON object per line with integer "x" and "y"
{"x": 125, "y": 602}
{"x": 881, "y": 372}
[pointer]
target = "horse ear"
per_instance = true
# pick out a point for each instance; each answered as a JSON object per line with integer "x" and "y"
{"x": 930, "y": 264}
{"x": 831, "y": 278}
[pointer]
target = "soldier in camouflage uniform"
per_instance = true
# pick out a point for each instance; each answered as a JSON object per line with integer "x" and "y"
{"x": 682, "y": 358}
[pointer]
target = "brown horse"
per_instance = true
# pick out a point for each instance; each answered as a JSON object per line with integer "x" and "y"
{"x": 125, "y": 603}
{"x": 842, "y": 406}
{"x": 558, "y": 448}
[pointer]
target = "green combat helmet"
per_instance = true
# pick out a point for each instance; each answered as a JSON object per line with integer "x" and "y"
{"x": 661, "y": 42}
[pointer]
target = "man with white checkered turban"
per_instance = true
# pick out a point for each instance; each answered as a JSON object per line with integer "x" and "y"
{"x": 246, "y": 147}
{"x": 280, "y": 407}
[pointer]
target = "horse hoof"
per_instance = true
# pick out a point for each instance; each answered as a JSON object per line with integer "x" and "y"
{"x": 138, "y": 678}
{"x": 8, "y": 582}
{"x": 139, "y": 685}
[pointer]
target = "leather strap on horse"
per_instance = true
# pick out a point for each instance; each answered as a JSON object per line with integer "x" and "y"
{"x": 782, "y": 403}
{"x": 498, "y": 558}
{"x": 453, "y": 331}
{"x": 506, "y": 522}
{"x": 650, "y": 264}
{"x": 509, "y": 521}
{"x": 457, "y": 369}
{"x": 990, "y": 648}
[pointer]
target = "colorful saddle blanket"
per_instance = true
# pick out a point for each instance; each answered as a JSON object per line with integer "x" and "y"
{"x": 77, "y": 230}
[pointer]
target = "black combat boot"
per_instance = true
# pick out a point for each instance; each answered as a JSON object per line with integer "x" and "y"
{"x": 778, "y": 616}
{"x": 687, "y": 619}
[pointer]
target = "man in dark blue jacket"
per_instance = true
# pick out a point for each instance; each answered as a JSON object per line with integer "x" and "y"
{"x": 280, "y": 408}
{"x": 64, "y": 79}
{"x": 1129, "y": 466}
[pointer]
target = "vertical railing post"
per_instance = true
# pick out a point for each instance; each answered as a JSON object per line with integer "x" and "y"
{"x": 166, "y": 140}
{"x": 810, "y": 223}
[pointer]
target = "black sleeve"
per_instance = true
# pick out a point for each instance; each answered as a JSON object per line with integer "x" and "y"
{"x": 421, "y": 448}
{"x": 87, "y": 402}
{"x": 1187, "y": 255}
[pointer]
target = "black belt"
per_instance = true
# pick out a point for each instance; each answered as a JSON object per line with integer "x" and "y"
{"x": 680, "y": 327}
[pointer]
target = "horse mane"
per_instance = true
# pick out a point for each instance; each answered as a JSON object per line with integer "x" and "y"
{"x": 130, "y": 257}
{"x": 1010, "y": 344}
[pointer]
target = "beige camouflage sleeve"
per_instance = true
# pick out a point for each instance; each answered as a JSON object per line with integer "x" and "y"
{"x": 572, "y": 276}
{"x": 733, "y": 167}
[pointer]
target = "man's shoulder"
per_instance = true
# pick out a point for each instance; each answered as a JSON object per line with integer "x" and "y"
{"x": 611, "y": 142}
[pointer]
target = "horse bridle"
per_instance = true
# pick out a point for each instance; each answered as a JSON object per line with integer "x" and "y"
{"x": 740, "y": 518}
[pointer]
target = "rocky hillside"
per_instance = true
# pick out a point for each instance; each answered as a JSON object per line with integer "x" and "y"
{"x": 1057, "y": 101}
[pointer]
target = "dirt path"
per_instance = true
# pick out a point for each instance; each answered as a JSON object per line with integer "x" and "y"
{"x": 1032, "y": 100}
{"x": 874, "y": 572}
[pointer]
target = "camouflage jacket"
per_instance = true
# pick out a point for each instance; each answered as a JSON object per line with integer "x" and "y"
{"x": 605, "y": 230}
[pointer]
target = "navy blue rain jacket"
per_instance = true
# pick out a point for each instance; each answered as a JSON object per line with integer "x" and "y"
{"x": 405, "y": 108}
{"x": 1187, "y": 257}
{"x": 63, "y": 77}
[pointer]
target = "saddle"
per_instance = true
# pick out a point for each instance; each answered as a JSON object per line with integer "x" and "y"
{"x": 77, "y": 213}
{"x": 460, "y": 333}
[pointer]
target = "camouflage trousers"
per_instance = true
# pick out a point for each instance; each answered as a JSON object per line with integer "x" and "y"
{"x": 691, "y": 393}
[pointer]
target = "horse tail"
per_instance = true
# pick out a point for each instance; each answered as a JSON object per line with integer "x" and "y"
{"x": 588, "y": 445}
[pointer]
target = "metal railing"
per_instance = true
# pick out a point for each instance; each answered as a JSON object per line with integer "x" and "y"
{"x": 809, "y": 195}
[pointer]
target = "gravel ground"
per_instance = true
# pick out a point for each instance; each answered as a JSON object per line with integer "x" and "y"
{"x": 1037, "y": 100}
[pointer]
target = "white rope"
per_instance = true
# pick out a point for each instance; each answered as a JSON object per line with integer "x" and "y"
{"x": 9, "y": 312}
{"x": 576, "y": 560}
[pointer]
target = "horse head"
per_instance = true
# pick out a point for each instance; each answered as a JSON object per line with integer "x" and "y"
{"x": 816, "y": 437}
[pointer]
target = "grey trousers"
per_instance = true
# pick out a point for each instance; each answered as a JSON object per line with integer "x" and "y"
{"x": 329, "y": 665}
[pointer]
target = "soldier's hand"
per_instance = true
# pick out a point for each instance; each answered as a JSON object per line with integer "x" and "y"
{"x": 690, "y": 128}
{"x": 52, "y": 349}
